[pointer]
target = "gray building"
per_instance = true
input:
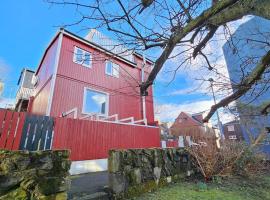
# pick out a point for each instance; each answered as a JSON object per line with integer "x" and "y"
{"x": 25, "y": 90}
{"x": 242, "y": 52}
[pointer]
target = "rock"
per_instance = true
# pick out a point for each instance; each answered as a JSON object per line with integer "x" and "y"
{"x": 114, "y": 161}
{"x": 28, "y": 185}
{"x": 157, "y": 173}
{"x": 58, "y": 196}
{"x": 134, "y": 171}
{"x": 34, "y": 175}
{"x": 52, "y": 185}
{"x": 9, "y": 181}
{"x": 136, "y": 176}
{"x": 117, "y": 182}
{"x": 46, "y": 163}
{"x": 17, "y": 194}
{"x": 7, "y": 166}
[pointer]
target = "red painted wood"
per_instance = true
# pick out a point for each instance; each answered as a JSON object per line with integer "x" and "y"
{"x": 13, "y": 128}
{"x": 18, "y": 133}
{"x": 72, "y": 78}
{"x": 90, "y": 140}
{"x": 44, "y": 73}
{"x": 2, "y": 117}
{"x": 172, "y": 143}
{"x": 6, "y": 129}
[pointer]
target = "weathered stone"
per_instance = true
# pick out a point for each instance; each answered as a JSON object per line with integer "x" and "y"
{"x": 17, "y": 194}
{"x": 9, "y": 181}
{"x": 37, "y": 175}
{"x": 58, "y": 196}
{"x": 7, "y": 166}
{"x": 136, "y": 176}
{"x": 157, "y": 173}
{"x": 52, "y": 185}
{"x": 117, "y": 182}
{"x": 114, "y": 161}
{"x": 28, "y": 185}
{"x": 134, "y": 171}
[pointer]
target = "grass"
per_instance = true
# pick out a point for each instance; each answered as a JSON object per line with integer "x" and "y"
{"x": 256, "y": 188}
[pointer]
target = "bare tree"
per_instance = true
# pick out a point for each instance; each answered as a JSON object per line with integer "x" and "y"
{"x": 166, "y": 25}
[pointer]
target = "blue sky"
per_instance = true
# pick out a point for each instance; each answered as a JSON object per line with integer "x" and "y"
{"x": 27, "y": 26}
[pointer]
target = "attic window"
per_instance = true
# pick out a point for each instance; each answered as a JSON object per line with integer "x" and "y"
{"x": 112, "y": 69}
{"x": 82, "y": 57}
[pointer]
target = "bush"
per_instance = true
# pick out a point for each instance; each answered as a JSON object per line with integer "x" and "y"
{"x": 233, "y": 158}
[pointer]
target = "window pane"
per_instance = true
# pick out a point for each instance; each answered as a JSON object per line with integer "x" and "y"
{"x": 109, "y": 67}
{"x": 95, "y": 102}
{"x": 115, "y": 70}
{"x": 79, "y": 55}
{"x": 87, "y": 58}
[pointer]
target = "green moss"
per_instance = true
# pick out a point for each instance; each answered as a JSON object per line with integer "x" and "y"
{"x": 58, "y": 196}
{"x": 17, "y": 194}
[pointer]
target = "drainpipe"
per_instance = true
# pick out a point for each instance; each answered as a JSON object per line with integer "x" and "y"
{"x": 143, "y": 97}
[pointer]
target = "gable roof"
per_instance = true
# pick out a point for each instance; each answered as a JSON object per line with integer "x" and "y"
{"x": 92, "y": 44}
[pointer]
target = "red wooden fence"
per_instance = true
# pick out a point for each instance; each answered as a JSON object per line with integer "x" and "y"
{"x": 86, "y": 139}
{"x": 11, "y": 125}
{"x": 90, "y": 140}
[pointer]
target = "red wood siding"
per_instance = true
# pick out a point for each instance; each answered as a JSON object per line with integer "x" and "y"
{"x": 90, "y": 140}
{"x": 124, "y": 97}
{"x": 172, "y": 143}
{"x": 44, "y": 74}
{"x": 11, "y": 125}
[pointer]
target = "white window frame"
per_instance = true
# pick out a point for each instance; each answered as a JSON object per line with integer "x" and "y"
{"x": 84, "y": 102}
{"x": 83, "y": 57}
{"x": 232, "y": 137}
{"x": 113, "y": 67}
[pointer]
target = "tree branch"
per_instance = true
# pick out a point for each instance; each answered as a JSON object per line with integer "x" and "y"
{"x": 247, "y": 83}
{"x": 265, "y": 110}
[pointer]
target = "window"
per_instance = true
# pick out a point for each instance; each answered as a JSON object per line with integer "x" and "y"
{"x": 231, "y": 128}
{"x": 82, "y": 57}
{"x": 232, "y": 137}
{"x": 95, "y": 102}
{"x": 112, "y": 69}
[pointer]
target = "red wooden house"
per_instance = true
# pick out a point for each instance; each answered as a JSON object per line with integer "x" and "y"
{"x": 191, "y": 129}
{"x": 87, "y": 99}
{"x": 80, "y": 76}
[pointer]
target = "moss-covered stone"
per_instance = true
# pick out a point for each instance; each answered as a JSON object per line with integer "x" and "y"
{"x": 52, "y": 185}
{"x": 16, "y": 194}
{"x": 28, "y": 175}
{"x": 58, "y": 196}
{"x": 135, "y": 171}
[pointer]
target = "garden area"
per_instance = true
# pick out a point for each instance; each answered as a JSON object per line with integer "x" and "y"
{"x": 236, "y": 171}
{"x": 237, "y": 188}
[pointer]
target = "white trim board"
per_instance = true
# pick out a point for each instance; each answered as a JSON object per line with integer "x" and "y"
{"x": 86, "y": 166}
{"x": 56, "y": 63}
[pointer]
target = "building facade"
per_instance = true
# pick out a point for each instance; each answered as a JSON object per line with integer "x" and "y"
{"x": 242, "y": 52}
{"x": 25, "y": 90}
{"x": 77, "y": 74}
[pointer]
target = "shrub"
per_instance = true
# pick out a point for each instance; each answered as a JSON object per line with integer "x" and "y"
{"x": 233, "y": 158}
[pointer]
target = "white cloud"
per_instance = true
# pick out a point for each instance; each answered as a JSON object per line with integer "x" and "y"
{"x": 7, "y": 102}
{"x": 4, "y": 69}
{"x": 99, "y": 98}
{"x": 168, "y": 112}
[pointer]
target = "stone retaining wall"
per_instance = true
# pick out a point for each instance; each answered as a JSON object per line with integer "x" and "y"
{"x": 40, "y": 175}
{"x": 135, "y": 171}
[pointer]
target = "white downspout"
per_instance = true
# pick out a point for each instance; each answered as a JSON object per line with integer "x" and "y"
{"x": 143, "y": 97}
